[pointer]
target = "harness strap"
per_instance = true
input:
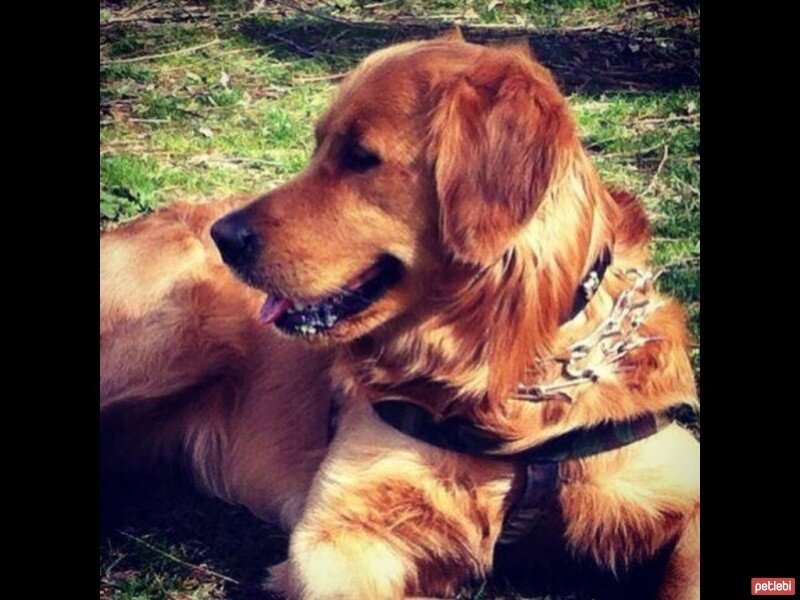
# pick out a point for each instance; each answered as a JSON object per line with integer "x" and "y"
{"x": 463, "y": 436}
{"x": 540, "y": 461}
{"x": 539, "y": 488}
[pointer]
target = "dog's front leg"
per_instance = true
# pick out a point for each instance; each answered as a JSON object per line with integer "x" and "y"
{"x": 682, "y": 576}
{"x": 389, "y": 517}
{"x": 345, "y": 564}
{"x": 623, "y": 508}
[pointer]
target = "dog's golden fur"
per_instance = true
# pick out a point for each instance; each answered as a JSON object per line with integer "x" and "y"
{"x": 487, "y": 198}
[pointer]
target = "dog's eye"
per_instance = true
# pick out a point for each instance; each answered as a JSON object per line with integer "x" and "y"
{"x": 357, "y": 158}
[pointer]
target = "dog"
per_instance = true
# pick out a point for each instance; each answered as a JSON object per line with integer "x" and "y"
{"x": 451, "y": 257}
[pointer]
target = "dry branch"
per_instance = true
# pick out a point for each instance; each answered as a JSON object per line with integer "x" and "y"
{"x": 162, "y": 54}
{"x": 659, "y": 169}
{"x": 180, "y": 561}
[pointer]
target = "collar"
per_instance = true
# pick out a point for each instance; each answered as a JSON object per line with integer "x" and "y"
{"x": 590, "y": 283}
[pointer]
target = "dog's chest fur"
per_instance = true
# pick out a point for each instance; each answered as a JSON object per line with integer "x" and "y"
{"x": 618, "y": 507}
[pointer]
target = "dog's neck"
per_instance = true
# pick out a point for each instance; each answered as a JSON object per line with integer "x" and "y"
{"x": 492, "y": 325}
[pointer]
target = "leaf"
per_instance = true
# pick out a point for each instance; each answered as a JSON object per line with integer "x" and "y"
{"x": 205, "y": 132}
{"x": 120, "y": 202}
{"x": 109, "y": 205}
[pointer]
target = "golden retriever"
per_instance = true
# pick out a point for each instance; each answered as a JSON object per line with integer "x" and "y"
{"x": 431, "y": 251}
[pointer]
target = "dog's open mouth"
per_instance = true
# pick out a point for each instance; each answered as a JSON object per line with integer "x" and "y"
{"x": 319, "y": 316}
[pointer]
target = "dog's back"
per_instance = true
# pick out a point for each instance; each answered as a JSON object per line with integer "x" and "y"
{"x": 188, "y": 375}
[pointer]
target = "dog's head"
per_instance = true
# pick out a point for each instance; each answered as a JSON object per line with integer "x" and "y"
{"x": 433, "y": 156}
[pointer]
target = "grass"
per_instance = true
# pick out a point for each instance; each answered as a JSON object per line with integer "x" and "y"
{"x": 228, "y": 108}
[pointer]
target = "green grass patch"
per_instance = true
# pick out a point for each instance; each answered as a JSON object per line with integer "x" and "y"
{"x": 548, "y": 13}
{"x": 649, "y": 143}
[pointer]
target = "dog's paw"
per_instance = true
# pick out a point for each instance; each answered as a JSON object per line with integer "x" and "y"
{"x": 278, "y": 580}
{"x": 352, "y": 569}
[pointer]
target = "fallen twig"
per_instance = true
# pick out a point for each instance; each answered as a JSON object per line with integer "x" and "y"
{"x": 301, "y": 49}
{"x": 157, "y": 16}
{"x": 628, "y": 153}
{"x": 215, "y": 57}
{"x": 639, "y": 5}
{"x": 379, "y": 4}
{"x": 113, "y": 564}
{"x": 332, "y": 76}
{"x": 180, "y": 561}
{"x": 150, "y": 120}
{"x": 687, "y": 185}
{"x": 681, "y": 262}
{"x": 163, "y": 54}
{"x": 658, "y": 170}
{"x": 235, "y": 160}
{"x": 671, "y": 119}
{"x": 607, "y": 26}
{"x": 139, "y": 8}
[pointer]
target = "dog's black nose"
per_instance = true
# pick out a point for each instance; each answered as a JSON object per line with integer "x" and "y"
{"x": 237, "y": 241}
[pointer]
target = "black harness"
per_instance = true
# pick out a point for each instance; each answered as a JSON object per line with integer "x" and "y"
{"x": 539, "y": 483}
{"x": 539, "y": 474}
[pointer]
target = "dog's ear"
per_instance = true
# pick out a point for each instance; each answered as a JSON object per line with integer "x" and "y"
{"x": 499, "y": 131}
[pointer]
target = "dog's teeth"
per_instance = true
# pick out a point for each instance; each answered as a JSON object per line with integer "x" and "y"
{"x": 306, "y": 329}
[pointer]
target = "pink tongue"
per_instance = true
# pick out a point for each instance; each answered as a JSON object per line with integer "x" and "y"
{"x": 273, "y": 308}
